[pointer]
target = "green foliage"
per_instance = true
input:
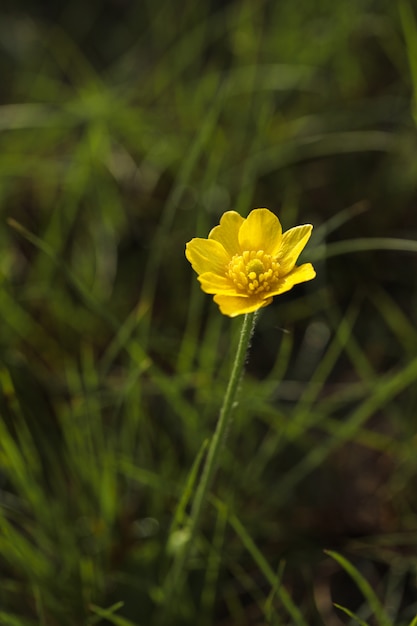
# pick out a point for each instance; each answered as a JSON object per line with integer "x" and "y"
{"x": 126, "y": 129}
{"x": 365, "y": 588}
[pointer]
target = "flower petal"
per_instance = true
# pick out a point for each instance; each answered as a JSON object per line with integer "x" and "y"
{"x": 214, "y": 283}
{"x": 207, "y": 255}
{"x": 300, "y": 274}
{"x": 235, "y": 305}
{"x": 261, "y": 231}
{"x": 227, "y": 231}
{"x": 293, "y": 242}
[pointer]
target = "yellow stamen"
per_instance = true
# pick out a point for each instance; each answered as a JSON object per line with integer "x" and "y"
{"x": 253, "y": 271}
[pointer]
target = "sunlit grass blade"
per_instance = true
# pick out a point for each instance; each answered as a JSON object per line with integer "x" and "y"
{"x": 267, "y": 571}
{"x": 19, "y": 320}
{"x": 364, "y": 587}
{"x": 338, "y": 220}
{"x": 214, "y": 566}
{"x": 327, "y": 251}
{"x": 355, "y": 617}
{"x": 14, "y": 620}
{"x": 123, "y": 341}
{"x": 190, "y": 339}
{"x": 179, "y": 517}
{"x": 396, "y": 319}
{"x": 409, "y": 25}
{"x": 270, "y": 612}
{"x": 342, "y": 336}
{"x": 383, "y": 392}
{"x": 110, "y": 615}
{"x": 294, "y": 150}
{"x": 171, "y": 206}
{"x": 84, "y": 292}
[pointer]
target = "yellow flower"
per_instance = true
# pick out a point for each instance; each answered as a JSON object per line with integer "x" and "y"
{"x": 245, "y": 262}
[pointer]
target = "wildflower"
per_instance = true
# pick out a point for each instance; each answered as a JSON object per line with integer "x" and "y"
{"x": 245, "y": 262}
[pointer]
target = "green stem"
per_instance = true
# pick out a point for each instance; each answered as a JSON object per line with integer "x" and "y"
{"x": 213, "y": 457}
{"x": 225, "y": 418}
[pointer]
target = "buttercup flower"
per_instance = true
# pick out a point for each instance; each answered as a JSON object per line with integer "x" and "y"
{"x": 245, "y": 262}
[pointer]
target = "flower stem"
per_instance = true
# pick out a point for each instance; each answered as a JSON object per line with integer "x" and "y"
{"x": 213, "y": 457}
{"x": 225, "y": 417}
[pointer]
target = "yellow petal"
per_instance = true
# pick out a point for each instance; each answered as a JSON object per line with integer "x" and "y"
{"x": 227, "y": 232}
{"x": 235, "y": 305}
{"x": 214, "y": 283}
{"x": 299, "y": 274}
{"x": 207, "y": 255}
{"x": 293, "y": 242}
{"x": 261, "y": 231}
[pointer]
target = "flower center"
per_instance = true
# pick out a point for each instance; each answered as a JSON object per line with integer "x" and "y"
{"x": 253, "y": 271}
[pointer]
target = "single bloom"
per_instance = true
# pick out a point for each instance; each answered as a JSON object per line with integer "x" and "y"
{"x": 245, "y": 262}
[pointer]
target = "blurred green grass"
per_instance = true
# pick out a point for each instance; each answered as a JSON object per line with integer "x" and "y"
{"x": 125, "y": 130}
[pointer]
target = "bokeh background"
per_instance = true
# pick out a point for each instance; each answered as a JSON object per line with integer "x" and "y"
{"x": 127, "y": 128}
